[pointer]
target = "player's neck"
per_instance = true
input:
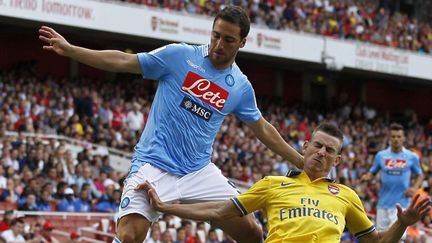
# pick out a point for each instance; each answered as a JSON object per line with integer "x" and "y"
{"x": 314, "y": 175}
{"x": 396, "y": 150}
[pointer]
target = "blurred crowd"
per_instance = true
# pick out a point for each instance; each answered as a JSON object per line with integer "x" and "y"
{"x": 364, "y": 20}
{"x": 42, "y": 175}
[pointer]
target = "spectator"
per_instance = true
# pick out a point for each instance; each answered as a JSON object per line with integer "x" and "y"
{"x": 44, "y": 202}
{"x": 7, "y": 220}
{"x": 111, "y": 205}
{"x": 135, "y": 119}
{"x": 87, "y": 178}
{"x": 46, "y": 233}
{"x": 74, "y": 237}
{"x": 212, "y": 237}
{"x": 15, "y": 233}
{"x": 83, "y": 204}
{"x": 30, "y": 203}
{"x": 67, "y": 204}
{"x": 181, "y": 235}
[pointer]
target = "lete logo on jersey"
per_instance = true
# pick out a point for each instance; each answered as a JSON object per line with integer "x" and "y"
{"x": 205, "y": 90}
{"x": 395, "y": 164}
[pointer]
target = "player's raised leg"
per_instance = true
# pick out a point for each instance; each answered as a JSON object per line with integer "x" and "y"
{"x": 132, "y": 228}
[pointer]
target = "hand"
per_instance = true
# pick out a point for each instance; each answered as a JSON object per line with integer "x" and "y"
{"x": 155, "y": 201}
{"x": 53, "y": 40}
{"x": 365, "y": 178}
{"x": 415, "y": 211}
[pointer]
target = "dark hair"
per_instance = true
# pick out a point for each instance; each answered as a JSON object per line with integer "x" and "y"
{"x": 235, "y": 15}
{"x": 396, "y": 127}
{"x": 331, "y": 130}
{"x": 17, "y": 221}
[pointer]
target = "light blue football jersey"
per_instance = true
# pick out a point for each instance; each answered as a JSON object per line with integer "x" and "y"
{"x": 191, "y": 102}
{"x": 396, "y": 169}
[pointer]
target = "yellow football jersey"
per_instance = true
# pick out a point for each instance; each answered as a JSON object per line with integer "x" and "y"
{"x": 300, "y": 210}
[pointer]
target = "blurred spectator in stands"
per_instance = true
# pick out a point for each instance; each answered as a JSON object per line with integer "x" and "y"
{"x": 155, "y": 236}
{"x": 119, "y": 118}
{"x": 7, "y": 220}
{"x": 166, "y": 237}
{"x": 3, "y": 180}
{"x": 74, "y": 237}
{"x": 111, "y": 205}
{"x": 105, "y": 113}
{"x": 212, "y": 236}
{"x": 67, "y": 203}
{"x": 59, "y": 194}
{"x": 52, "y": 176}
{"x": 83, "y": 203}
{"x": 107, "y": 195}
{"x": 46, "y": 233}
{"x": 99, "y": 182}
{"x": 169, "y": 220}
{"x": 15, "y": 233}
{"x": 10, "y": 194}
{"x": 187, "y": 225}
{"x": 87, "y": 178}
{"x": 83, "y": 103}
{"x": 135, "y": 120}
{"x": 181, "y": 235}
{"x": 34, "y": 231}
{"x": 44, "y": 202}
{"x": 30, "y": 203}
{"x": 106, "y": 165}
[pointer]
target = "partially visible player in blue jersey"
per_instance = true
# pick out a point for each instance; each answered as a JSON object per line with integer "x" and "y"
{"x": 397, "y": 165}
{"x": 199, "y": 86}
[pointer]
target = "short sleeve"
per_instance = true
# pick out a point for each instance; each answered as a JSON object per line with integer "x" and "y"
{"x": 247, "y": 109}
{"x": 376, "y": 166}
{"x": 157, "y": 63}
{"x": 416, "y": 168}
{"x": 356, "y": 218}
{"x": 253, "y": 199}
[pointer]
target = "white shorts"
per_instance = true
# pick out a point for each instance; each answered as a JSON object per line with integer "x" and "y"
{"x": 385, "y": 218}
{"x": 207, "y": 184}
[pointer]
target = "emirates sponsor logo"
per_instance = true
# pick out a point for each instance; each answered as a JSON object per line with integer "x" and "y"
{"x": 333, "y": 189}
{"x": 205, "y": 90}
{"x": 395, "y": 163}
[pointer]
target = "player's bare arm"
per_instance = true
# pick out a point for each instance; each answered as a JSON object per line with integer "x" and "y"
{"x": 268, "y": 134}
{"x": 108, "y": 60}
{"x": 208, "y": 211}
{"x": 405, "y": 218}
{"x": 416, "y": 185}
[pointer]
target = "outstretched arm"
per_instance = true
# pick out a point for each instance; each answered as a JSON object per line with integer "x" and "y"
{"x": 268, "y": 134}
{"x": 208, "y": 211}
{"x": 406, "y": 218}
{"x": 108, "y": 60}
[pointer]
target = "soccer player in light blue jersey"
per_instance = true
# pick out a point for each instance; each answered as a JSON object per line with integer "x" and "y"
{"x": 198, "y": 87}
{"x": 397, "y": 165}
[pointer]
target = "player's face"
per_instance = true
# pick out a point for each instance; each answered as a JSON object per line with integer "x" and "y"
{"x": 397, "y": 138}
{"x": 225, "y": 43}
{"x": 321, "y": 153}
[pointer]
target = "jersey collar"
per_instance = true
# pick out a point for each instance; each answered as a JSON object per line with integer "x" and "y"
{"x": 295, "y": 173}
